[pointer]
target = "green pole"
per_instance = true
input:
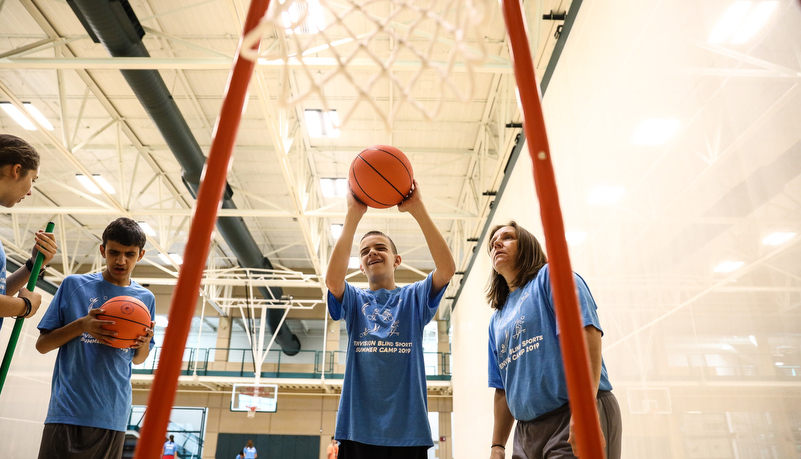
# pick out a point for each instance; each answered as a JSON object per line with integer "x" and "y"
{"x": 12, "y": 342}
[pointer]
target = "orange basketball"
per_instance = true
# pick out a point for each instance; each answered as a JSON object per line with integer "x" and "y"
{"x": 381, "y": 176}
{"x": 131, "y": 317}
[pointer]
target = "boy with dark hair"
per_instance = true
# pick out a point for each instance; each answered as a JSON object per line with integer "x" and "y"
{"x": 91, "y": 389}
{"x": 383, "y": 410}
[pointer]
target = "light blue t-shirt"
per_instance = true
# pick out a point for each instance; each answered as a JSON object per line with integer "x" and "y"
{"x": 525, "y": 359}
{"x": 91, "y": 381}
{"x": 2, "y": 274}
{"x": 169, "y": 448}
{"x": 250, "y": 453}
{"x": 383, "y": 399}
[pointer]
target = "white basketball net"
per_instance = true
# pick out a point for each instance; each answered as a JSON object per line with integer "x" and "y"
{"x": 404, "y": 45}
{"x": 251, "y": 411}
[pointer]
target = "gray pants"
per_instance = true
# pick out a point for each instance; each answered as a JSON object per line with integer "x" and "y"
{"x": 65, "y": 441}
{"x": 546, "y": 437}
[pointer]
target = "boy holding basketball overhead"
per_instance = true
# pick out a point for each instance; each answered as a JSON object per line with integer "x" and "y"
{"x": 383, "y": 410}
{"x": 91, "y": 388}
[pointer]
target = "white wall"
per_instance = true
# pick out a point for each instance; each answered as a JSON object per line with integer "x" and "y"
{"x": 472, "y": 398}
{"x": 704, "y": 364}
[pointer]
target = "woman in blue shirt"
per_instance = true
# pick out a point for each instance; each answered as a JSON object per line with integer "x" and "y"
{"x": 525, "y": 360}
{"x": 19, "y": 169}
{"x": 250, "y": 451}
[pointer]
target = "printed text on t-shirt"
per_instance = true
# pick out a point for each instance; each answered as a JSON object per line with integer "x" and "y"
{"x": 388, "y": 347}
{"x": 528, "y": 345}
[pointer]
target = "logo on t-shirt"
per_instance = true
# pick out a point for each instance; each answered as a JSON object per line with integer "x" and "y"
{"x": 380, "y": 317}
{"x": 92, "y": 302}
{"x": 519, "y": 327}
{"x": 367, "y": 332}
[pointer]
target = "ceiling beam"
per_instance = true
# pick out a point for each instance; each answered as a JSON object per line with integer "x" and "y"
{"x": 219, "y": 63}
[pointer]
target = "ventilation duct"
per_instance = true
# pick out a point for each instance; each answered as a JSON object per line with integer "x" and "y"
{"x": 114, "y": 24}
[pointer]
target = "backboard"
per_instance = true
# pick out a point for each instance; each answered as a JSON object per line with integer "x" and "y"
{"x": 263, "y": 396}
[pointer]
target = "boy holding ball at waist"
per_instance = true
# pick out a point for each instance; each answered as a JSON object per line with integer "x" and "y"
{"x": 91, "y": 389}
{"x": 383, "y": 408}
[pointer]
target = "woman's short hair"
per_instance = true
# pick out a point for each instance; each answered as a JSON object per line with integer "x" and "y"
{"x": 14, "y": 150}
{"x": 529, "y": 259}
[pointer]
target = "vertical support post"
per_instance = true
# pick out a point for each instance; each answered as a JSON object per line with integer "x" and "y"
{"x": 571, "y": 330}
{"x": 162, "y": 394}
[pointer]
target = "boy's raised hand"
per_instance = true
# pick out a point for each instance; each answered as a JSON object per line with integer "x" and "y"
{"x": 93, "y": 326}
{"x": 354, "y": 205}
{"x": 414, "y": 201}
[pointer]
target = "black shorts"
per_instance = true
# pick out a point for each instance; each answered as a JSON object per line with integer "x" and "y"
{"x": 66, "y": 441}
{"x": 355, "y": 450}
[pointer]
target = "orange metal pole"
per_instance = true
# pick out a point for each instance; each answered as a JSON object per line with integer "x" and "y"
{"x": 182, "y": 308}
{"x": 571, "y": 329}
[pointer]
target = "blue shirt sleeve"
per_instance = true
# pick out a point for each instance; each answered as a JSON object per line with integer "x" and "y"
{"x": 336, "y": 309}
{"x": 589, "y": 314}
{"x": 53, "y": 318}
{"x": 422, "y": 295}
{"x": 589, "y": 310}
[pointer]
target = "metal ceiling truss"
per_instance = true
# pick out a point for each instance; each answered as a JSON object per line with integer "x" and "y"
{"x": 291, "y": 146}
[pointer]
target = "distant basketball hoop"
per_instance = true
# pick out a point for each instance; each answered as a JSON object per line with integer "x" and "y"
{"x": 253, "y": 398}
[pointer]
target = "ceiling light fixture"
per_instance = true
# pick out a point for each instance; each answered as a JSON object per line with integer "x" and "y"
{"x": 90, "y": 185}
{"x": 778, "y": 238}
{"x": 18, "y": 116}
{"x": 322, "y": 124}
{"x": 728, "y": 266}
{"x": 165, "y": 258}
{"x": 104, "y": 184}
{"x": 147, "y": 228}
{"x": 354, "y": 262}
{"x": 655, "y": 131}
{"x": 37, "y": 115}
{"x": 334, "y": 187}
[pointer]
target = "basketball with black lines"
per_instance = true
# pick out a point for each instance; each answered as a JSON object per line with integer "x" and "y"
{"x": 381, "y": 176}
{"x": 131, "y": 316}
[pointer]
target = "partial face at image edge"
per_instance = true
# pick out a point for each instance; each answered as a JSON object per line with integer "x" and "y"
{"x": 21, "y": 185}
